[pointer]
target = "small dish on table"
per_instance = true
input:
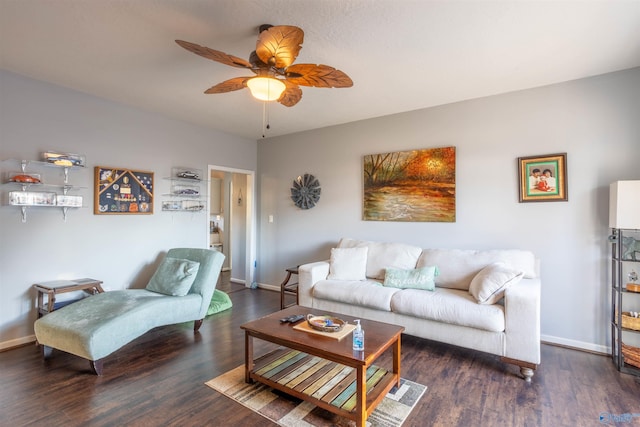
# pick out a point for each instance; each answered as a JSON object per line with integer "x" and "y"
{"x": 325, "y": 323}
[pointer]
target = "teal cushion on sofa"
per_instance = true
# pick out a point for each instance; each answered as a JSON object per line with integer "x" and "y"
{"x": 174, "y": 277}
{"x": 418, "y": 278}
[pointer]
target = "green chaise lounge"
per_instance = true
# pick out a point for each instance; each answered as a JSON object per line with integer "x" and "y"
{"x": 96, "y": 326}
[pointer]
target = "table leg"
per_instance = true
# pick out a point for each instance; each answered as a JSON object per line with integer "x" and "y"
{"x": 248, "y": 357}
{"x": 361, "y": 396}
{"x": 282, "y": 286}
{"x": 51, "y": 300}
{"x": 40, "y": 303}
{"x": 396, "y": 360}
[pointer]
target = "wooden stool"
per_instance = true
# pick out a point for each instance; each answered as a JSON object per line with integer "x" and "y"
{"x": 287, "y": 288}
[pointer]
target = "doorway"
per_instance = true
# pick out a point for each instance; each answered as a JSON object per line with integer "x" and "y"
{"x": 232, "y": 225}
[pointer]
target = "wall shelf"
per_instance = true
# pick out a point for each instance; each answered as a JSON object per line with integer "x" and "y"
{"x": 186, "y": 192}
{"x": 28, "y": 195}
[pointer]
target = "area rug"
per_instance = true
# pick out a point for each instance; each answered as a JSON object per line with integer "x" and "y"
{"x": 292, "y": 412}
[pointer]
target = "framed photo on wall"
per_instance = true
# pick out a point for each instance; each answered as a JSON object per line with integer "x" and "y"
{"x": 543, "y": 178}
{"x": 122, "y": 191}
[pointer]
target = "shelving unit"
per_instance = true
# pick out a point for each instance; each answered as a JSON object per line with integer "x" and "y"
{"x": 186, "y": 191}
{"x": 53, "y": 196}
{"x": 624, "y": 260}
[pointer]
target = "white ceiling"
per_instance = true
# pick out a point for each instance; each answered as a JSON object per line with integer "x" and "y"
{"x": 402, "y": 55}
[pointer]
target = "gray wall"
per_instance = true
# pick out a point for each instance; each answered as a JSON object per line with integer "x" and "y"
{"x": 123, "y": 251}
{"x": 596, "y": 121}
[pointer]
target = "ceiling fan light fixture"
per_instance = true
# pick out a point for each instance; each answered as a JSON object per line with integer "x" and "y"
{"x": 266, "y": 88}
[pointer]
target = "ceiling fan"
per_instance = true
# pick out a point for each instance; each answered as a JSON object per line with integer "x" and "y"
{"x": 277, "y": 78}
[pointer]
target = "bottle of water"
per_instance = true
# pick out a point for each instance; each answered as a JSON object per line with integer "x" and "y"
{"x": 358, "y": 337}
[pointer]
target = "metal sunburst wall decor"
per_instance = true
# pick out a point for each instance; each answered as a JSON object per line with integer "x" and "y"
{"x": 305, "y": 192}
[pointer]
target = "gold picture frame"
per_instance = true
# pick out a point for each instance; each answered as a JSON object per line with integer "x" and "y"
{"x": 543, "y": 178}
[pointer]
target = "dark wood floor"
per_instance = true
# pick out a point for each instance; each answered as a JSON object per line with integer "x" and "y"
{"x": 158, "y": 380}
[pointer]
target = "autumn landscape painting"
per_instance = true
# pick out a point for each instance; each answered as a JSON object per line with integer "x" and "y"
{"x": 410, "y": 186}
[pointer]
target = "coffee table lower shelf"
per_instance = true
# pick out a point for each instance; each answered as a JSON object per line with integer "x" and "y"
{"x": 326, "y": 384}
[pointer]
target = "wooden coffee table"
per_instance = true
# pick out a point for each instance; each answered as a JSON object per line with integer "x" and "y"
{"x": 322, "y": 370}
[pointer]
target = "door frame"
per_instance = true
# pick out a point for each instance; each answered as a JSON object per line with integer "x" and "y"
{"x": 250, "y": 242}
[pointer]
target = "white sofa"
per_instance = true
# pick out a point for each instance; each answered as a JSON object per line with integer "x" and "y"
{"x": 509, "y": 328}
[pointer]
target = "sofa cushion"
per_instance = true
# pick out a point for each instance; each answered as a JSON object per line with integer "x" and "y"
{"x": 449, "y": 306}
{"x": 458, "y": 266}
{"x": 365, "y": 293}
{"x": 488, "y": 286}
{"x": 174, "y": 276}
{"x": 348, "y": 264}
{"x": 415, "y": 278}
{"x": 384, "y": 255}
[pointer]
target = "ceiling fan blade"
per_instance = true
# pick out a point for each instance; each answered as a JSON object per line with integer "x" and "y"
{"x": 317, "y": 76}
{"x": 291, "y": 95}
{"x": 279, "y": 46}
{"x": 214, "y": 55}
{"x": 230, "y": 85}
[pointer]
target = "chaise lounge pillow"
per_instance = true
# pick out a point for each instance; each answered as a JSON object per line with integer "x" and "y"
{"x": 174, "y": 277}
{"x": 348, "y": 264}
{"x": 488, "y": 286}
{"x": 415, "y": 278}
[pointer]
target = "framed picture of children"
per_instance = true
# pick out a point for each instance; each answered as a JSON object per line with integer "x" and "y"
{"x": 543, "y": 178}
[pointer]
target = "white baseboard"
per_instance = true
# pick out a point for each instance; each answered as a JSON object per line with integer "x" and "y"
{"x": 7, "y": 345}
{"x": 579, "y": 345}
{"x": 260, "y": 285}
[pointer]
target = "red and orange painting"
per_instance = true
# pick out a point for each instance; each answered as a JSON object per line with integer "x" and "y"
{"x": 410, "y": 186}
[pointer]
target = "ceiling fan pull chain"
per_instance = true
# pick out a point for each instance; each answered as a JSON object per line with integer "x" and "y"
{"x": 265, "y": 118}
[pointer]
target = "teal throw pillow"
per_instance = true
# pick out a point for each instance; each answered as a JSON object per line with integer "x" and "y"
{"x": 419, "y": 278}
{"x": 174, "y": 277}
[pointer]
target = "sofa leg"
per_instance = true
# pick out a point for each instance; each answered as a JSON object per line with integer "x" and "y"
{"x": 96, "y": 366}
{"x": 526, "y": 368}
{"x": 527, "y": 373}
{"x": 197, "y": 324}
{"x": 46, "y": 351}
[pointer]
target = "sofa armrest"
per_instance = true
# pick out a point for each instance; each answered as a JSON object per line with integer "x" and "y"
{"x": 522, "y": 318}
{"x": 309, "y": 275}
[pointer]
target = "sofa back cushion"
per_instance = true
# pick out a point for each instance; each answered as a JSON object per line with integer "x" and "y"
{"x": 385, "y": 255}
{"x": 459, "y": 266}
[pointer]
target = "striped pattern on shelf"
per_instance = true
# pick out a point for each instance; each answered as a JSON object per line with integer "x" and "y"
{"x": 326, "y": 381}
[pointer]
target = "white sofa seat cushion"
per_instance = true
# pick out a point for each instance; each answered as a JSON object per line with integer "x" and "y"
{"x": 459, "y": 266}
{"x": 361, "y": 293}
{"x": 449, "y": 306}
{"x": 383, "y": 255}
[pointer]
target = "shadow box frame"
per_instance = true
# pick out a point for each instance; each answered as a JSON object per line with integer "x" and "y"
{"x": 121, "y": 191}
